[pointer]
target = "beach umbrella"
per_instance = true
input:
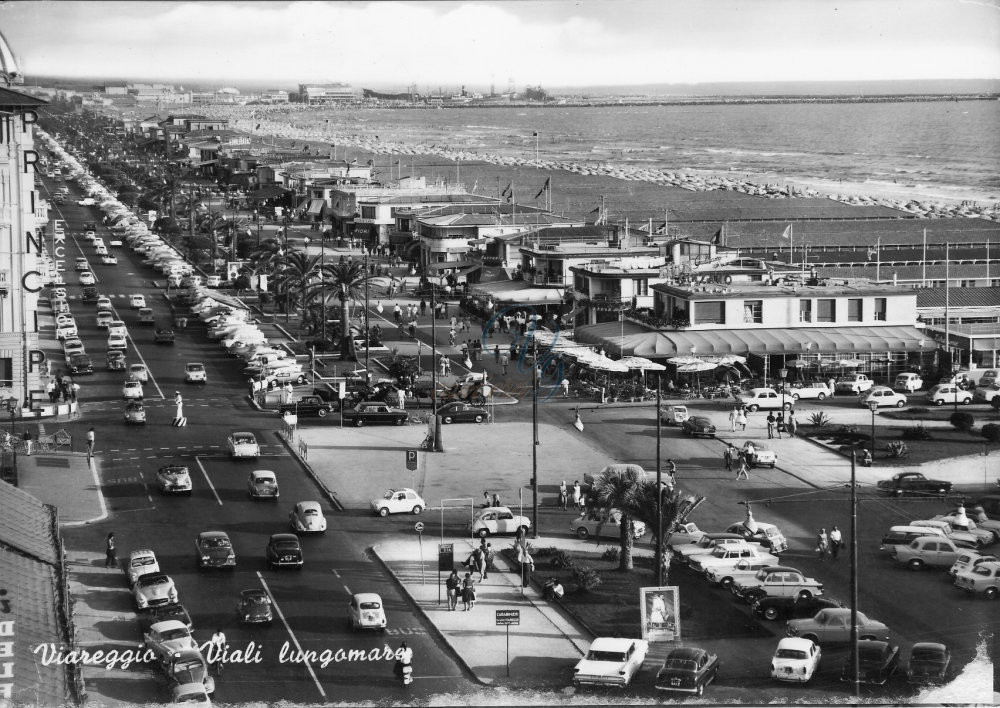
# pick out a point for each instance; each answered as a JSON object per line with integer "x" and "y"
{"x": 640, "y": 362}
{"x": 797, "y": 363}
{"x": 696, "y": 368}
{"x": 849, "y": 363}
{"x": 685, "y": 360}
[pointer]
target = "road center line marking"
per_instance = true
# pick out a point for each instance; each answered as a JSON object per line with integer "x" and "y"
{"x": 210, "y": 485}
{"x": 334, "y": 571}
{"x": 348, "y": 590}
{"x": 295, "y": 640}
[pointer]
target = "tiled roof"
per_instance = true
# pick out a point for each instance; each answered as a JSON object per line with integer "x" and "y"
{"x": 26, "y": 525}
{"x": 959, "y": 297}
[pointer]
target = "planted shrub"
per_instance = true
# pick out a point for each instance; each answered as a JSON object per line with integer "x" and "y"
{"x": 896, "y": 448}
{"x": 991, "y": 431}
{"x": 561, "y": 559}
{"x": 611, "y": 554}
{"x": 586, "y": 578}
{"x": 847, "y": 430}
{"x": 917, "y": 432}
{"x": 962, "y": 421}
{"x": 819, "y": 419}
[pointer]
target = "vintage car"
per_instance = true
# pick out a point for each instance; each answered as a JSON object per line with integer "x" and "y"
{"x": 153, "y": 590}
{"x": 957, "y": 535}
{"x": 117, "y": 341}
{"x": 164, "y": 613}
{"x": 138, "y": 372}
{"x": 929, "y": 662}
{"x": 816, "y": 391}
{"x": 375, "y": 412}
{"x": 983, "y": 521}
{"x": 604, "y": 524}
{"x": 459, "y": 412}
{"x": 398, "y": 501}
{"x": 684, "y": 533}
{"x": 949, "y": 393}
{"x": 306, "y": 406}
{"x": 89, "y": 294}
{"x": 141, "y": 562}
{"x": 833, "y": 626}
{"x": 262, "y": 484}
{"x": 610, "y": 661}
{"x": 727, "y": 556}
{"x": 882, "y": 396}
{"x": 174, "y": 479}
{"x": 135, "y": 413}
{"x": 146, "y": 316}
{"x": 366, "y": 611}
{"x": 80, "y": 364}
{"x": 307, "y": 517}
{"x": 877, "y": 661}
{"x": 195, "y": 373}
{"x": 758, "y": 453}
{"x": 67, "y": 331}
{"x": 982, "y": 579}
{"x": 87, "y": 278}
{"x": 775, "y": 607}
{"x": 968, "y": 559}
{"x": 698, "y": 425}
{"x": 706, "y": 544}
{"x": 767, "y": 535}
{"x": 213, "y": 549}
{"x": 673, "y": 415}
{"x": 136, "y": 301}
{"x": 81, "y": 265}
{"x": 961, "y": 523}
{"x": 776, "y": 581}
{"x": 115, "y": 361}
{"x": 926, "y": 551}
{"x": 795, "y": 659}
{"x": 132, "y": 390}
{"x": 908, "y": 382}
{"x": 853, "y": 384}
{"x": 213, "y": 281}
{"x": 288, "y": 374}
{"x": 73, "y": 346}
{"x": 687, "y": 669}
{"x": 254, "y": 607}
{"x": 913, "y": 483}
{"x": 168, "y": 637}
{"x": 283, "y": 550}
{"x": 243, "y": 445}
{"x": 188, "y": 666}
{"x": 498, "y": 520}
{"x": 765, "y": 399}
{"x": 104, "y": 304}
{"x": 725, "y": 575}
{"x": 986, "y": 394}
{"x": 163, "y": 336}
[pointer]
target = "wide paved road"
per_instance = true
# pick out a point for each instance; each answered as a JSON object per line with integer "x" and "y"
{"x": 312, "y": 602}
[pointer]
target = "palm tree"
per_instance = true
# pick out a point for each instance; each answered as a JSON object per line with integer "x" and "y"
{"x": 296, "y": 273}
{"x": 618, "y": 487}
{"x": 347, "y": 282}
{"x": 675, "y": 506}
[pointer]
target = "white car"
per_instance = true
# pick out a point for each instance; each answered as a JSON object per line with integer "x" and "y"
{"x": 115, "y": 242}
{"x": 795, "y": 659}
{"x": 138, "y": 372}
{"x": 243, "y": 445}
{"x": 73, "y": 346}
{"x": 87, "y": 278}
{"x": 136, "y": 301}
{"x": 117, "y": 341}
{"x": 66, "y": 331}
{"x": 398, "y": 501}
{"x": 882, "y": 396}
{"x": 105, "y": 318}
{"x": 110, "y": 259}
{"x": 190, "y": 695}
{"x": 610, "y": 661}
{"x": 86, "y": 201}
{"x": 307, "y": 517}
{"x": 174, "y": 479}
{"x": 766, "y": 399}
{"x": 104, "y": 303}
{"x": 154, "y": 590}
{"x": 101, "y": 249}
{"x": 81, "y": 265}
{"x": 64, "y": 319}
{"x": 758, "y": 453}
{"x": 263, "y": 484}
{"x": 604, "y": 524}
{"x": 117, "y": 327}
{"x": 366, "y": 611}
{"x": 498, "y": 519}
{"x": 948, "y": 393}
{"x": 168, "y": 637}
{"x": 986, "y": 394}
{"x": 213, "y": 281}
{"x": 140, "y": 563}
{"x": 132, "y": 390}
{"x": 195, "y": 373}
{"x": 817, "y": 391}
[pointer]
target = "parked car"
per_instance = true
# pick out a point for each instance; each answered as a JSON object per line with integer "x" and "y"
{"x": 306, "y": 406}
{"x": 213, "y": 549}
{"x": 795, "y": 659}
{"x": 81, "y": 265}
{"x": 929, "y": 662}
{"x": 80, "y": 364}
{"x": 610, "y": 661}
{"x": 986, "y": 394}
{"x": 948, "y": 393}
{"x": 188, "y": 667}
{"x": 729, "y": 555}
{"x": 833, "y": 626}
{"x": 66, "y": 331}
{"x": 283, "y": 549}
{"x": 307, "y": 517}
{"x": 924, "y": 551}
{"x": 725, "y": 575}
{"x": 164, "y": 613}
{"x": 163, "y": 336}
{"x": 673, "y": 415}
{"x": 853, "y": 384}
{"x": 877, "y": 661}
{"x": 687, "y": 670}
{"x": 398, "y": 501}
{"x": 882, "y": 396}
{"x": 758, "y": 453}
{"x": 263, "y": 484}
{"x": 135, "y": 413}
{"x": 243, "y": 445}
{"x": 786, "y": 607}
{"x": 767, "y": 535}
{"x": 375, "y": 412}
{"x": 254, "y": 607}
{"x": 498, "y": 520}
{"x": 698, "y": 425}
{"x": 765, "y": 399}
{"x": 168, "y": 637}
{"x": 913, "y": 483}
{"x": 458, "y": 412}
{"x": 903, "y": 535}
{"x": 775, "y": 581}
{"x": 366, "y": 611}
{"x": 141, "y": 562}
{"x": 961, "y": 523}
{"x": 195, "y": 373}
{"x": 982, "y": 579}
{"x": 967, "y": 560}
{"x": 706, "y": 544}
{"x": 816, "y": 390}
{"x": 959, "y": 536}
{"x": 908, "y": 382}
{"x": 174, "y": 479}
{"x": 153, "y": 590}
{"x": 684, "y": 534}
{"x": 604, "y": 524}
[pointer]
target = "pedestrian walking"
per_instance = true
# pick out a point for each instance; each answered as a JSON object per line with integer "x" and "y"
{"x": 91, "y": 439}
{"x": 836, "y": 541}
{"x": 413, "y": 329}
{"x": 478, "y": 564}
{"x": 50, "y": 389}
{"x": 563, "y": 495}
{"x": 671, "y": 470}
{"x": 490, "y": 557}
{"x": 288, "y": 392}
{"x": 741, "y": 419}
{"x": 733, "y": 415}
{"x": 565, "y": 388}
{"x": 451, "y": 336}
{"x": 110, "y": 554}
{"x": 217, "y": 650}
{"x": 452, "y": 584}
{"x": 822, "y": 544}
{"x": 727, "y": 457}
{"x": 770, "y": 425}
{"x": 423, "y": 307}
{"x": 832, "y": 385}
{"x": 443, "y": 364}
{"x": 468, "y": 592}
{"x": 26, "y": 436}
{"x": 577, "y": 493}
{"x": 496, "y": 353}
{"x": 397, "y": 313}
{"x": 401, "y": 397}
{"x": 741, "y": 470}
{"x": 504, "y": 362}
{"x": 527, "y": 567}
{"x": 791, "y": 425}
{"x": 454, "y": 322}
{"x": 74, "y": 391}
{"x": 477, "y": 349}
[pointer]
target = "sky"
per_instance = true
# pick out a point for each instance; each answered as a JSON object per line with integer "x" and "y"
{"x": 550, "y": 43}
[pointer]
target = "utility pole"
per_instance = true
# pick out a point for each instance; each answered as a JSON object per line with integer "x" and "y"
{"x": 535, "y": 371}
{"x": 659, "y": 488}
{"x": 855, "y": 678}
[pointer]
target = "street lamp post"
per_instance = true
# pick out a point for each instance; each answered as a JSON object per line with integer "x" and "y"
{"x": 873, "y": 407}
{"x": 783, "y": 373}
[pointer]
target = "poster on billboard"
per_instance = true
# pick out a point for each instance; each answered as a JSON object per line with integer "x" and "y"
{"x": 660, "y": 613}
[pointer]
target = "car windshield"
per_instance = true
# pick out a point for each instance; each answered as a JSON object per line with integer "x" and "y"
{"x": 177, "y": 633}
{"x": 390, "y": 494}
{"x": 215, "y": 542}
{"x": 188, "y": 665}
{"x": 242, "y": 439}
{"x": 265, "y": 480}
{"x": 310, "y": 512}
{"x": 174, "y": 471}
{"x": 770, "y": 532}
{"x": 195, "y": 696}
{"x": 370, "y": 605}
{"x": 256, "y": 600}
{"x": 195, "y": 367}
{"x": 151, "y": 580}
{"x": 681, "y": 664}
{"x": 606, "y": 656}
{"x": 138, "y": 562}
{"x": 789, "y": 654}
{"x": 921, "y": 654}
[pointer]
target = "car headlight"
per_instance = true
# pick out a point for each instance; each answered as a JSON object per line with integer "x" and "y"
{"x": 204, "y": 558}
{"x": 246, "y": 618}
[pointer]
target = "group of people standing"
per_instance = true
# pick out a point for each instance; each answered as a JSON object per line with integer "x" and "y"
{"x": 777, "y": 422}
{"x": 62, "y": 388}
{"x": 579, "y": 498}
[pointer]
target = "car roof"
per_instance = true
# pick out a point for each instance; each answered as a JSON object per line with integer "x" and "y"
{"x": 167, "y": 624}
{"x": 284, "y": 537}
{"x": 691, "y": 653}
{"x": 252, "y": 592}
{"x": 495, "y": 508}
{"x": 611, "y": 643}
{"x": 213, "y": 534}
{"x": 242, "y": 432}
{"x": 929, "y": 645}
{"x": 780, "y": 569}
{"x": 308, "y": 505}
{"x": 263, "y": 473}
{"x": 140, "y": 553}
{"x": 795, "y": 643}
{"x": 402, "y": 489}
{"x": 367, "y": 597}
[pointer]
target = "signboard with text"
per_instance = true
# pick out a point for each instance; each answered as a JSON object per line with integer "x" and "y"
{"x": 508, "y": 617}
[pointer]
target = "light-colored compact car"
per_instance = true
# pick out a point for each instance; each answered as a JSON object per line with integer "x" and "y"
{"x": 603, "y": 524}
{"x": 194, "y": 372}
{"x": 174, "y": 479}
{"x": 986, "y": 394}
{"x": 118, "y": 341}
{"x": 66, "y": 331}
{"x": 307, "y": 517}
{"x": 87, "y": 278}
{"x": 263, "y": 484}
{"x": 153, "y": 590}
{"x": 188, "y": 667}
{"x": 882, "y": 396}
{"x": 673, "y": 415}
{"x": 169, "y": 637}
{"x": 725, "y": 575}
{"x": 132, "y": 390}
{"x": 767, "y": 535}
{"x": 926, "y": 551}
{"x": 136, "y": 301}
{"x": 243, "y": 445}
{"x": 366, "y": 611}
{"x": 117, "y": 327}
{"x": 776, "y": 581}
{"x": 498, "y": 520}
{"x": 104, "y": 303}
{"x": 766, "y": 399}
{"x": 817, "y": 391}
{"x": 141, "y": 562}
{"x": 610, "y": 661}
{"x": 213, "y": 549}
{"x": 908, "y": 382}
{"x": 398, "y": 501}
{"x": 728, "y": 555}
{"x": 853, "y": 383}
{"x": 795, "y": 659}
{"x": 138, "y": 372}
{"x": 833, "y": 626}
{"x": 109, "y": 259}
{"x": 146, "y": 316}
{"x": 948, "y": 393}
{"x": 105, "y": 318}
{"x": 759, "y": 453}
{"x": 982, "y": 579}
{"x": 967, "y": 560}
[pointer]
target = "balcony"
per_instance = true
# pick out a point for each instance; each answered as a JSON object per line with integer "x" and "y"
{"x": 606, "y": 301}
{"x": 544, "y": 279}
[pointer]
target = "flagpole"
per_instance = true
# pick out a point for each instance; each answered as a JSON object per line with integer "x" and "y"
{"x": 923, "y": 261}
{"x": 536, "y": 149}
{"x": 878, "y": 259}
{"x": 791, "y": 244}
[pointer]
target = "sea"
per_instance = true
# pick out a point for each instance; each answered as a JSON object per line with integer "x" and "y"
{"x": 951, "y": 147}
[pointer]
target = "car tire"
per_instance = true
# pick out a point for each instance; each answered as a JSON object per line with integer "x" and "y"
{"x": 991, "y": 593}
{"x": 383, "y": 511}
{"x": 300, "y": 380}
{"x": 900, "y": 404}
{"x": 446, "y": 420}
{"x": 726, "y": 583}
{"x": 868, "y": 637}
{"x": 483, "y": 533}
{"x": 700, "y": 690}
{"x": 770, "y": 613}
{"x": 786, "y": 407}
{"x": 820, "y": 396}
{"x": 753, "y": 408}
{"x": 358, "y": 422}
{"x": 939, "y": 402}
{"x": 582, "y": 533}
{"x": 322, "y": 412}
{"x": 915, "y": 564}
{"x": 417, "y": 509}
{"x": 805, "y": 595}
{"x": 965, "y": 401}
{"x": 795, "y": 397}
{"x": 479, "y": 419}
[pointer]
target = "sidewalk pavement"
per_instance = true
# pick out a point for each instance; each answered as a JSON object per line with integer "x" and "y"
{"x": 77, "y": 495}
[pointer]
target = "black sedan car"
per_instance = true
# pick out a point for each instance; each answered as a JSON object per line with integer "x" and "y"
{"x": 307, "y": 406}
{"x": 688, "y": 670}
{"x": 877, "y": 661}
{"x": 375, "y": 413}
{"x": 254, "y": 607}
{"x": 929, "y": 663}
{"x": 913, "y": 483}
{"x": 80, "y": 364}
{"x": 772, "y": 607}
{"x": 698, "y": 425}
{"x": 284, "y": 549}
{"x": 162, "y": 614}
{"x": 458, "y": 412}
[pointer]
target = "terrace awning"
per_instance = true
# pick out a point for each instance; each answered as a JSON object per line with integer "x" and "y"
{"x": 518, "y": 292}
{"x": 447, "y": 265}
{"x": 316, "y": 207}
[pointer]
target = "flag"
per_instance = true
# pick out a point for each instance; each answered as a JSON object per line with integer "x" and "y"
{"x": 354, "y": 161}
{"x": 258, "y": 127}
{"x": 717, "y": 239}
{"x": 505, "y": 192}
{"x": 787, "y": 233}
{"x": 596, "y": 211}
{"x": 534, "y": 135}
{"x": 544, "y": 189}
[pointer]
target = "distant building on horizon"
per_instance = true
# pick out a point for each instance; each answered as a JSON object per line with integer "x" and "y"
{"x": 326, "y": 93}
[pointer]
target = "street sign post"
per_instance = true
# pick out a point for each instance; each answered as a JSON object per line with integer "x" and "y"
{"x": 419, "y": 528}
{"x": 411, "y": 465}
{"x": 446, "y": 562}
{"x": 506, "y": 618}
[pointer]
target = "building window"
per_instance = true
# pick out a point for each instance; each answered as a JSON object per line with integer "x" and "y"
{"x": 854, "y": 309}
{"x": 709, "y": 313}
{"x": 805, "y": 310}
{"x": 826, "y": 310}
{"x": 753, "y": 311}
{"x": 640, "y": 288}
{"x": 367, "y": 212}
{"x": 880, "y": 307}
{"x": 6, "y": 373}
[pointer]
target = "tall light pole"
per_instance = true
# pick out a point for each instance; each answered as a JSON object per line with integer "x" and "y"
{"x": 535, "y": 373}
{"x": 659, "y": 489}
{"x": 855, "y": 670}
{"x": 783, "y": 373}
{"x": 368, "y": 341}
{"x": 873, "y": 407}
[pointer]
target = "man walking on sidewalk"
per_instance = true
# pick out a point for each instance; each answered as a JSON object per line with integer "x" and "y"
{"x": 110, "y": 555}
{"x": 91, "y": 439}
{"x": 452, "y": 583}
